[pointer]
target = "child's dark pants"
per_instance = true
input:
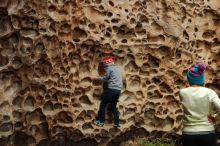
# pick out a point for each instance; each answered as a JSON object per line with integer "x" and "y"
{"x": 110, "y": 96}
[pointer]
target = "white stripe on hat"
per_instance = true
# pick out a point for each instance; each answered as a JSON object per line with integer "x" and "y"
{"x": 110, "y": 60}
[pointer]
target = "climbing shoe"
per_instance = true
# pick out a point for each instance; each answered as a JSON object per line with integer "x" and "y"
{"x": 117, "y": 125}
{"x": 99, "y": 123}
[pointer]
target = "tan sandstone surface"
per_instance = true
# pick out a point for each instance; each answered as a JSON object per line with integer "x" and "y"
{"x": 50, "y": 49}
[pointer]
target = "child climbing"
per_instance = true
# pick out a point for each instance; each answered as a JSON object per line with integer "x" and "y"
{"x": 198, "y": 102}
{"x": 113, "y": 77}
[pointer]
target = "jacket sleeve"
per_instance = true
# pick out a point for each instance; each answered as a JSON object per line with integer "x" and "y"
{"x": 216, "y": 102}
{"x": 106, "y": 76}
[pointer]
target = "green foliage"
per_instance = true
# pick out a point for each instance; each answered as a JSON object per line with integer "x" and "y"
{"x": 157, "y": 142}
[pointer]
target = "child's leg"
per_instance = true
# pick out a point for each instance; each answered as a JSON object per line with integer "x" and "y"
{"x": 114, "y": 102}
{"x": 104, "y": 102}
{"x": 101, "y": 113}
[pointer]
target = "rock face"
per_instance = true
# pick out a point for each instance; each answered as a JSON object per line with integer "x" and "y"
{"x": 50, "y": 49}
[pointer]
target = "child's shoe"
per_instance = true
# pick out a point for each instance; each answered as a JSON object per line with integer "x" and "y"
{"x": 117, "y": 125}
{"x": 99, "y": 123}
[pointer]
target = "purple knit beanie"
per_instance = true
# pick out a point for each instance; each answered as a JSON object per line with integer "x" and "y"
{"x": 196, "y": 74}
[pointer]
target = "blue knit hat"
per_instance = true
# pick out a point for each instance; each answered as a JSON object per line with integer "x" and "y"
{"x": 196, "y": 74}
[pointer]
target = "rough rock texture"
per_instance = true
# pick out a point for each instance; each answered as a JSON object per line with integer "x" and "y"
{"x": 50, "y": 49}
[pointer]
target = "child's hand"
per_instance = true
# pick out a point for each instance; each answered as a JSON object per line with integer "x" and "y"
{"x": 96, "y": 81}
{"x": 211, "y": 119}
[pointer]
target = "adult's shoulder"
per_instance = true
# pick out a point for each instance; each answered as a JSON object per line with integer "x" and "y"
{"x": 212, "y": 92}
{"x": 184, "y": 89}
{"x": 208, "y": 89}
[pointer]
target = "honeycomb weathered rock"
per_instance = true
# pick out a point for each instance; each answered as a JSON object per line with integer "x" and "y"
{"x": 50, "y": 49}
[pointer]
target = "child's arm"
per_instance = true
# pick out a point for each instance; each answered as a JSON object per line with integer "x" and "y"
{"x": 216, "y": 102}
{"x": 106, "y": 76}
